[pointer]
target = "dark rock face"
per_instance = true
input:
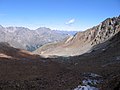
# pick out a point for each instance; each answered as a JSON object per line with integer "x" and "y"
{"x": 107, "y": 29}
{"x": 27, "y": 39}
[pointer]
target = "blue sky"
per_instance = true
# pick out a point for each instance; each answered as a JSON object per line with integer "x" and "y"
{"x": 57, "y": 14}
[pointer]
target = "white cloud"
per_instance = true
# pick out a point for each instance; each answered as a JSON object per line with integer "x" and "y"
{"x": 71, "y": 21}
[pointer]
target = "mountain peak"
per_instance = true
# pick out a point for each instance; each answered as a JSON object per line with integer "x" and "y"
{"x": 43, "y": 28}
{"x": 1, "y": 26}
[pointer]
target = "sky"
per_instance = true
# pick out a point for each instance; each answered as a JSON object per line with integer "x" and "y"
{"x": 70, "y": 15}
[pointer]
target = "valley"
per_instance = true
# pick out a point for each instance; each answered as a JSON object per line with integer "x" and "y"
{"x": 89, "y": 60}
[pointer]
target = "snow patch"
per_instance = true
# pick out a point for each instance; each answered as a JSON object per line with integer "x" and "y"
{"x": 90, "y": 82}
{"x": 86, "y": 88}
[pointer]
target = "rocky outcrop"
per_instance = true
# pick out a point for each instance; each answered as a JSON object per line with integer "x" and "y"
{"x": 82, "y": 42}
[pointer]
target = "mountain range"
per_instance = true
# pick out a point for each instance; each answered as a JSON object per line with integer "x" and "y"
{"x": 24, "y": 38}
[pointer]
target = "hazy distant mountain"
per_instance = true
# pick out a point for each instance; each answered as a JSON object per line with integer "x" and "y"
{"x": 82, "y": 42}
{"x": 24, "y": 38}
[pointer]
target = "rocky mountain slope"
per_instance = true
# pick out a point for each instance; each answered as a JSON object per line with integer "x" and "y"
{"x": 27, "y": 39}
{"x": 82, "y": 42}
